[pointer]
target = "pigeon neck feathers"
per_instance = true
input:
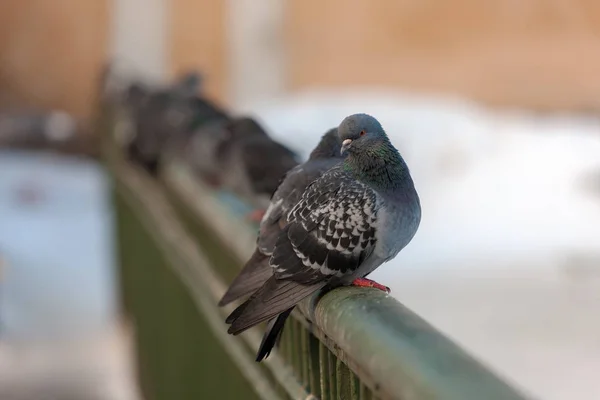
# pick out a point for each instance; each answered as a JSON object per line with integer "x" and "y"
{"x": 379, "y": 165}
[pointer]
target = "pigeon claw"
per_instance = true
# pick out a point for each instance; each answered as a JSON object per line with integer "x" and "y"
{"x": 364, "y": 282}
{"x": 256, "y": 215}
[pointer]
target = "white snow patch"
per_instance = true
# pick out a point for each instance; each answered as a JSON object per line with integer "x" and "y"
{"x": 507, "y": 258}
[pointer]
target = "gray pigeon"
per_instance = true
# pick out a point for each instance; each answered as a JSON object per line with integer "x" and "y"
{"x": 200, "y": 150}
{"x": 159, "y": 116}
{"x": 198, "y": 142}
{"x": 251, "y": 163}
{"x": 189, "y": 83}
{"x": 257, "y": 270}
{"x": 359, "y": 214}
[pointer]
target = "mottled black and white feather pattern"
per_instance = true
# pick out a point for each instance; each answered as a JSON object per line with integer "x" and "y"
{"x": 330, "y": 232}
{"x": 287, "y": 195}
{"x": 356, "y": 216}
{"x": 289, "y": 192}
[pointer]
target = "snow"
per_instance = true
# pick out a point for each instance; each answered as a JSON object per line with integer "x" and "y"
{"x": 60, "y": 334}
{"x": 507, "y": 258}
{"x": 56, "y": 241}
{"x": 501, "y": 185}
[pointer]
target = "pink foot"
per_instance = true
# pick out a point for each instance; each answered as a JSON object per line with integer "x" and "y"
{"x": 256, "y": 215}
{"x": 364, "y": 282}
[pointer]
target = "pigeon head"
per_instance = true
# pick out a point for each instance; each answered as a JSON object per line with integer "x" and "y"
{"x": 189, "y": 84}
{"x": 329, "y": 146}
{"x": 371, "y": 157}
{"x": 361, "y": 132}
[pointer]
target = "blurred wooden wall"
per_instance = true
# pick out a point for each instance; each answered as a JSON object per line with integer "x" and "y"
{"x": 51, "y": 52}
{"x": 535, "y": 53}
{"x": 198, "y": 40}
{"x": 539, "y": 54}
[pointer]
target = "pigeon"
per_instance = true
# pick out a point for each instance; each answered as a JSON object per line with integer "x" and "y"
{"x": 257, "y": 270}
{"x": 122, "y": 108}
{"x": 159, "y": 117}
{"x": 251, "y": 163}
{"x": 189, "y": 83}
{"x": 200, "y": 150}
{"x": 358, "y": 215}
{"x": 197, "y": 141}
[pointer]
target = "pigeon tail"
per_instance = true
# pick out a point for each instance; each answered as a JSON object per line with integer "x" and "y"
{"x": 254, "y": 274}
{"x": 272, "y": 335}
{"x": 273, "y": 298}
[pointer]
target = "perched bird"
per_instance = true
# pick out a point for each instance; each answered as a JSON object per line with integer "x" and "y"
{"x": 257, "y": 270}
{"x": 197, "y": 141}
{"x": 159, "y": 117}
{"x": 252, "y": 163}
{"x": 359, "y": 214}
{"x": 189, "y": 83}
{"x": 123, "y": 108}
{"x": 199, "y": 150}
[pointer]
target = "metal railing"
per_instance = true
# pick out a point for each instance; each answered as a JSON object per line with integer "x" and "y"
{"x": 181, "y": 242}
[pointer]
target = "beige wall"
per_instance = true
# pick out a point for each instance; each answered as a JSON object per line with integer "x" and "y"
{"x": 51, "y": 52}
{"x": 197, "y": 39}
{"x": 535, "y": 53}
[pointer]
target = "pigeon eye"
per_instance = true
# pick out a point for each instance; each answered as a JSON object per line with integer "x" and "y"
{"x": 362, "y": 133}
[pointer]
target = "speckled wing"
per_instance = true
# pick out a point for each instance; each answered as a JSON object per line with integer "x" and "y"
{"x": 257, "y": 269}
{"x": 330, "y": 231}
{"x": 287, "y": 195}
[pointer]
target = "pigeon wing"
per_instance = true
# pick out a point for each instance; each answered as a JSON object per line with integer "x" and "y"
{"x": 330, "y": 233}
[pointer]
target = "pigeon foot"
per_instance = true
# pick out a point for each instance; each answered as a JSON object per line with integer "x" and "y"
{"x": 364, "y": 282}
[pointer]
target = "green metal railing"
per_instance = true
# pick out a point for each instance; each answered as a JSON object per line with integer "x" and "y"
{"x": 180, "y": 245}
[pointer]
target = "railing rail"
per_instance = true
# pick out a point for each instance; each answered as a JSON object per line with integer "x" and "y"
{"x": 352, "y": 343}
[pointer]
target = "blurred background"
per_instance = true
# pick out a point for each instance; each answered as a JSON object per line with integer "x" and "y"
{"x": 495, "y": 106}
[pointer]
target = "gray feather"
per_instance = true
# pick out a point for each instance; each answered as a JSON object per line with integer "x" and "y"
{"x": 252, "y": 163}
{"x": 257, "y": 270}
{"x": 273, "y": 298}
{"x": 356, "y": 216}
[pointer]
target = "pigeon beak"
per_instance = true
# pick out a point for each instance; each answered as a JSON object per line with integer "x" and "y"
{"x": 345, "y": 144}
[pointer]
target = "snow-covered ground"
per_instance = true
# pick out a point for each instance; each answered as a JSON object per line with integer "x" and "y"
{"x": 507, "y": 258}
{"x": 60, "y": 334}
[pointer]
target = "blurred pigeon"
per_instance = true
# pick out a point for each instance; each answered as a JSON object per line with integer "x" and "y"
{"x": 198, "y": 141}
{"x": 189, "y": 83}
{"x": 124, "y": 109}
{"x": 160, "y": 117}
{"x": 257, "y": 270}
{"x": 252, "y": 163}
{"x": 200, "y": 150}
{"x": 356, "y": 216}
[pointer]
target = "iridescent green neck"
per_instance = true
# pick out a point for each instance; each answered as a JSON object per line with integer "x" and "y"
{"x": 379, "y": 166}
